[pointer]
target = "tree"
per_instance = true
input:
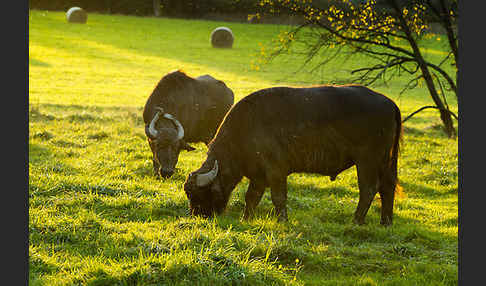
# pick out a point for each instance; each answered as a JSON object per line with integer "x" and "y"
{"x": 387, "y": 31}
{"x": 156, "y": 4}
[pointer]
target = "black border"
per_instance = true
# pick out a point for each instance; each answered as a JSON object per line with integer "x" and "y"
{"x": 15, "y": 210}
{"x": 471, "y": 140}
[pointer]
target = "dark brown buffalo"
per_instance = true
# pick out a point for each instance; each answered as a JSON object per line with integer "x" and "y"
{"x": 181, "y": 110}
{"x": 277, "y": 131}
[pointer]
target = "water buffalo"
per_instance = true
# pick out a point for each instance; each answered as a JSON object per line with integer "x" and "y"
{"x": 183, "y": 110}
{"x": 274, "y": 132}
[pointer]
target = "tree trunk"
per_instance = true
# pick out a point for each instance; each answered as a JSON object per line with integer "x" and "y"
{"x": 445, "y": 116}
{"x": 156, "y": 8}
{"x": 446, "y": 20}
{"x": 451, "y": 36}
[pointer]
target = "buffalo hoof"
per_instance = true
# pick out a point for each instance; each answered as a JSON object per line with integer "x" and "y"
{"x": 166, "y": 173}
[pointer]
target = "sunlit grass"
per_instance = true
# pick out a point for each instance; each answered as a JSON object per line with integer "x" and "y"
{"x": 97, "y": 216}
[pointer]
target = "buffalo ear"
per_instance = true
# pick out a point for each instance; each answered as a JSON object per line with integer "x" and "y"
{"x": 187, "y": 147}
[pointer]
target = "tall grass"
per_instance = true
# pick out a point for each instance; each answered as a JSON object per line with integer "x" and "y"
{"x": 97, "y": 216}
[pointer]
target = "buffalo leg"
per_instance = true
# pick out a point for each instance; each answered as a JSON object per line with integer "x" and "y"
{"x": 387, "y": 198}
{"x": 278, "y": 188}
{"x": 156, "y": 167}
{"x": 387, "y": 195}
{"x": 253, "y": 196}
{"x": 368, "y": 187}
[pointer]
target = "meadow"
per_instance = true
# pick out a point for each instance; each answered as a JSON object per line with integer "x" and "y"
{"x": 97, "y": 215}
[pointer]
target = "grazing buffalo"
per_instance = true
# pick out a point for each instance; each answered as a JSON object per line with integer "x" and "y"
{"x": 183, "y": 110}
{"x": 277, "y": 131}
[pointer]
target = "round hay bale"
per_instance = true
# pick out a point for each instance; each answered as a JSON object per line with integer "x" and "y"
{"x": 76, "y": 15}
{"x": 222, "y": 37}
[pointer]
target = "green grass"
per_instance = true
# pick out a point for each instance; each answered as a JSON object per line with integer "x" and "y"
{"x": 97, "y": 216}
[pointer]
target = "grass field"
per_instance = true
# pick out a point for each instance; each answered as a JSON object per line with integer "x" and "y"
{"x": 97, "y": 216}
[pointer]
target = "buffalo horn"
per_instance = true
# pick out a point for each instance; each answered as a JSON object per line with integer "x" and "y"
{"x": 205, "y": 179}
{"x": 152, "y": 131}
{"x": 180, "y": 129}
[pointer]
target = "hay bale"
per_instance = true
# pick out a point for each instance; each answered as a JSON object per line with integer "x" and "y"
{"x": 222, "y": 37}
{"x": 76, "y": 15}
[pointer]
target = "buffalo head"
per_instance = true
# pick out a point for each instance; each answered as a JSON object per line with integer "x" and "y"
{"x": 166, "y": 143}
{"x": 204, "y": 191}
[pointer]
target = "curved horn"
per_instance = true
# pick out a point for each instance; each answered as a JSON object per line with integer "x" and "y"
{"x": 203, "y": 180}
{"x": 180, "y": 129}
{"x": 151, "y": 129}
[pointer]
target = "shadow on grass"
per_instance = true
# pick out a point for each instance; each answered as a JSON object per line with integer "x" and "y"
{"x": 413, "y": 131}
{"x": 35, "y": 115}
{"x": 422, "y": 191}
{"x": 38, "y": 63}
{"x": 300, "y": 196}
{"x": 38, "y": 153}
{"x": 84, "y": 113}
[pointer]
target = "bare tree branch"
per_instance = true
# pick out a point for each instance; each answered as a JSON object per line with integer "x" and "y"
{"x": 445, "y": 75}
{"x": 427, "y": 107}
{"x": 411, "y": 84}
